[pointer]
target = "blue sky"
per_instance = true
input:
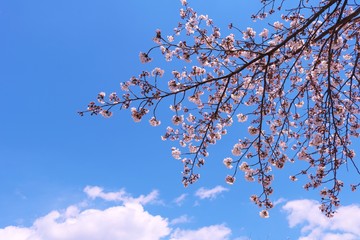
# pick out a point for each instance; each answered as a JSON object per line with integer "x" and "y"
{"x": 61, "y": 174}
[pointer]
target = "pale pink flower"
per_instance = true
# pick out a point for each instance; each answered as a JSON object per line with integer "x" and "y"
{"x": 137, "y": 115}
{"x": 189, "y": 28}
{"x": 241, "y": 117}
{"x": 253, "y": 130}
{"x": 323, "y": 192}
{"x": 114, "y": 98}
{"x": 317, "y": 140}
{"x": 264, "y": 33}
{"x": 254, "y": 198}
{"x": 216, "y": 33}
{"x": 264, "y": 214}
{"x": 173, "y": 86}
{"x": 101, "y": 97}
{"x": 157, "y": 72}
{"x": 203, "y": 17}
{"x": 168, "y": 56}
{"x": 201, "y": 161}
{"x": 228, "y": 162}
{"x": 302, "y": 155}
{"x": 244, "y": 166}
{"x": 339, "y": 109}
{"x": 350, "y": 154}
{"x": 249, "y": 175}
{"x": 106, "y": 113}
{"x": 175, "y": 108}
{"x": 193, "y": 149}
{"x": 176, "y": 74}
{"x": 176, "y": 119}
{"x": 230, "y": 179}
{"x": 249, "y": 33}
{"x": 144, "y": 58}
{"x": 154, "y": 122}
{"x": 191, "y": 118}
{"x": 170, "y": 38}
{"x": 347, "y": 56}
{"x": 236, "y": 151}
{"x": 125, "y": 86}
{"x": 283, "y": 145}
{"x": 293, "y": 178}
{"x": 182, "y": 13}
{"x": 299, "y": 104}
{"x": 197, "y": 71}
{"x": 278, "y": 25}
{"x": 175, "y": 152}
{"x": 157, "y": 38}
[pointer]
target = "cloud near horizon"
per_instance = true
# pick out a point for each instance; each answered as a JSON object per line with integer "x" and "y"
{"x": 127, "y": 221}
{"x": 345, "y": 225}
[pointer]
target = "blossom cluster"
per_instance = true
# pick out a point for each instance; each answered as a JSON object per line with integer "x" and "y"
{"x": 293, "y": 87}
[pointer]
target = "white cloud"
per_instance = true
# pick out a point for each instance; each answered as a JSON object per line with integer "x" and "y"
{"x": 214, "y": 232}
{"x": 16, "y": 233}
{"x": 126, "y": 222}
{"x": 94, "y": 192}
{"x": 181, "y": 219}
{"x": 279, "y": 201}
{"x": 345, "y": 225}
{"x": 212, "y": 193}
{"x": 179, "y": 200}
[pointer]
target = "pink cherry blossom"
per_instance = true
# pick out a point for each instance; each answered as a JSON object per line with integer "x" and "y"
{"x": 295, "y": 85}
